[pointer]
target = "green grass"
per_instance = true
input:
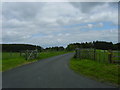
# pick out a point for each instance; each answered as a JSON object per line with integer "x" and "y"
{"x": 99, "y": 71}
{"x": 50, "y": 54}
{"x": 13, "y": 60}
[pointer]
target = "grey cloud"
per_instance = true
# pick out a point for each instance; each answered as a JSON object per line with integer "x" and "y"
{"x": 86, "y": 7}
{"x": 21, "y": 10}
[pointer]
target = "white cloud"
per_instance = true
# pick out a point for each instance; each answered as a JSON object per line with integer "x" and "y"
{"x": 90, "y": 25}
{"x": 41, "y": 23}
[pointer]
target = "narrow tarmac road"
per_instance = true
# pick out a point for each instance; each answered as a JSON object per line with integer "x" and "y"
{"x": 48, "y": 73}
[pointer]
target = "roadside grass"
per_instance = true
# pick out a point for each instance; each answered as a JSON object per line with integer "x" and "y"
{"x": 99, "y": 71}
{"x": 13, "y": 60}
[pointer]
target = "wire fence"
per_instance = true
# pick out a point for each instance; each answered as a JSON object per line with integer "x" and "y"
{"x": 106, "y": 56}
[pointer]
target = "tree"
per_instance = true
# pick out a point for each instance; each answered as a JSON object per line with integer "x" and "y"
{"x": 19, "y": 47}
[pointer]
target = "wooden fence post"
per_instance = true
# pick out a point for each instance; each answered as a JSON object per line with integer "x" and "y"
{"x": 26, "y": 54}
{"x": 87, "y": 54}
{"x": 80, "y": 53}
{"x": 110, "y": 56}
{"x": 77, "y": 53}
{"x": 94, "y": 53}
{"x": 75, "y": 56}
{"x": 104, "y": 56}
{"x": 36, "y": 53}
{"x": 99, "y": 56}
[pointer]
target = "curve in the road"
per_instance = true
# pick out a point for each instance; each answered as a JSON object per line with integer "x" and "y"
{"x": 53, "y": 72}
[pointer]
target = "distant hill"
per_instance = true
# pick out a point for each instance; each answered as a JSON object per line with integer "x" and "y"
{"x": 19, "y": 47}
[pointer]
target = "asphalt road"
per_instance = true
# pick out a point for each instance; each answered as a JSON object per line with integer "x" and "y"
{"x": 48, "y": 73}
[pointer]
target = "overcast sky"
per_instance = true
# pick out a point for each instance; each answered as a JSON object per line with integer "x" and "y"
{"x": 58, "y": 24}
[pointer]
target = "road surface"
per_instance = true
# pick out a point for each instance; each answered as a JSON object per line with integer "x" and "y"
{"x": 53, "y": 72}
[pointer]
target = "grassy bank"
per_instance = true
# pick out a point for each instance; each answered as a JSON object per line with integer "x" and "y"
{"x": 99, "y": 71}
{"x": 12, "y": 60}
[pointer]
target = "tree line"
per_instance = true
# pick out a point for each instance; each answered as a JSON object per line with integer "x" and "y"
{"x": 56, "y": 48}
{"x": 19, "y": 47}
{"x": 95, "y": 44}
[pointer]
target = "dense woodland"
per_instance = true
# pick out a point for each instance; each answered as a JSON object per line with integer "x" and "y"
{"x": 19, "y": 47}
{"x": 95, "y": 44}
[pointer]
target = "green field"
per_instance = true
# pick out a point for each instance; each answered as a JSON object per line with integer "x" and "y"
{"x": 12, "y": 60}
{"x": 100, "y": 71}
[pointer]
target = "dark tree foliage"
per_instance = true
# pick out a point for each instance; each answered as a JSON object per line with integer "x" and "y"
{"x": 54, "y": 48}
{"x": 72, "y": 46}
{"x": 95, "y": 44}
{"x": 19, "y": 47}
{"x": 116, "y": 46}
{"x": 103, "y": 45}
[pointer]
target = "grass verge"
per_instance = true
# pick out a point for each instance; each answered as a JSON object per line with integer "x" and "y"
{"x": 13, "y": 60}
{"x": 95, "y": 70}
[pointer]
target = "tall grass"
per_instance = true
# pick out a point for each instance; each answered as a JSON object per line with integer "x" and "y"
{"x": 99, "y": 71}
